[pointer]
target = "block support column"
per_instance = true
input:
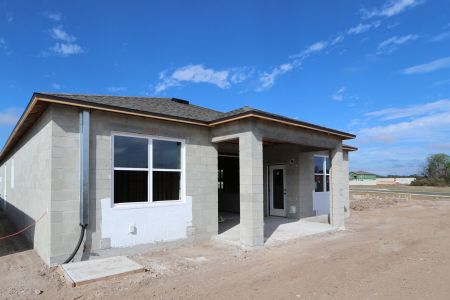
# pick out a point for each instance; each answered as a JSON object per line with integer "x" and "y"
{"x": 337, "y": 187}
{"x": 251, "y": 190}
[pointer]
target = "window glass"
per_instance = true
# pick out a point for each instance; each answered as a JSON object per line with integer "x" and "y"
{"x": 130, "y": 152}
{"x": 130, "y": 186}
{"x": 166, "y": 155}
{"x": 318, "y": 164}
{"x": 327, "y": 178}
{"x": 318, "y": 180}
{"x": 166, "y": 186}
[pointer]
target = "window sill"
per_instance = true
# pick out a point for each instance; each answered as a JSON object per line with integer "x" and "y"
{"x": 137, "y": 205}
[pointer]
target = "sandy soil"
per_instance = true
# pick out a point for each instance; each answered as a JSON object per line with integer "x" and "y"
{"x": 391, "y": 250}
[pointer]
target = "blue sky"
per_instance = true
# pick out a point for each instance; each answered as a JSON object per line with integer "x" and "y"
{"x": 379, "y": 69}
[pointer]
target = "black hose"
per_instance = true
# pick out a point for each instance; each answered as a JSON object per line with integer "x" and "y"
{"x": 83, "y": 229}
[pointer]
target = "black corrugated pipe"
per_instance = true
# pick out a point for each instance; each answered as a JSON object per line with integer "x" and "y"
{"x": 77, "y": 247}
{"x": 84, "y": 178}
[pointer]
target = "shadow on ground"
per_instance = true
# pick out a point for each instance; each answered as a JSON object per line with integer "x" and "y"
{"x": 13, "y": 244}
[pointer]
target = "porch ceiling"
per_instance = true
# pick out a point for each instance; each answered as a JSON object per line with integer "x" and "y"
{"x": 225, "y": 147}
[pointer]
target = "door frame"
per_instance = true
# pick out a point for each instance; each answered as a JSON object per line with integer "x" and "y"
{"x": 275, "y": 211}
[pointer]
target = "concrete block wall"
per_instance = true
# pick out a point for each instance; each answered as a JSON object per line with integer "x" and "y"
{"x": 306, "y": 182}
{"x": 338, "y": 187}
{"x": 201, "y": 174}
{"x": 251, "y": 189}
{"x": 65, "y": 198}
{"x": 29, "y": 197}
{"x": 345, "y": 170}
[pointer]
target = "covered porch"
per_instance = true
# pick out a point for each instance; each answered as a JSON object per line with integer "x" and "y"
{"x": 276, "y": 187}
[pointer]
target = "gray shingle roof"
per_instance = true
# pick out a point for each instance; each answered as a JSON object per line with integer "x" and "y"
{"x": 177, "y": 108}
{"x": 162, "y": 106}
{"x": 166, "y": 108}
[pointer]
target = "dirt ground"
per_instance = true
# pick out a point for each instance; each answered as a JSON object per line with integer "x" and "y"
{"x": 390, "y": 250}
{"x": 445, "y": 190}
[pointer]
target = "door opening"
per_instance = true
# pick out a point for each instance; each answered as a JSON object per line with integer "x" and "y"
{"x": 277, "y": 190}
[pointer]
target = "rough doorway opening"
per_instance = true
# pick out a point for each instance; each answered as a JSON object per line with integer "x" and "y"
{"x": 228, "y": 189}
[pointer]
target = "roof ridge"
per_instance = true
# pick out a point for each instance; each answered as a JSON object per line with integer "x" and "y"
{"x": 130, "y": 97}
{"x": 101, "y": 95}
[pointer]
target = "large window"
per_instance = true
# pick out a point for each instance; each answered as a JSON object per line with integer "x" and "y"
{"x": 322, "y": 174}
{"x": 147, "y": 169}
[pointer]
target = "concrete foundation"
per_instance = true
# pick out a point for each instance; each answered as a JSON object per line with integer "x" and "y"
{"x": 276, "y": 229}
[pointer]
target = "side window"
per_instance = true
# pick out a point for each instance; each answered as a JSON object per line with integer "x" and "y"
{"x": 146, "y": 169}
{"x": 130, "y": 169}
{"x": 166, "y": 171}
{"x": 321, "y": 174}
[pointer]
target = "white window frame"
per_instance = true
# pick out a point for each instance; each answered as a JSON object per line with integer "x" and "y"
{"x": 150, "y": 170}
{"x": 324, "y": 173}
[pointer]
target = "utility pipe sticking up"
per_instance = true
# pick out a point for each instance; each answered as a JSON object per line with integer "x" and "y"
{"x": 84, "y": 178}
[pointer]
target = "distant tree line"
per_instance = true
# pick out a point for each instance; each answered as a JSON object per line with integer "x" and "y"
{"x": 436, "y": 171}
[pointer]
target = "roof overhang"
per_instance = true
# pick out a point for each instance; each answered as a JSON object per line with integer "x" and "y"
{"x": 283, "y": 120}
{"x": 349, "y": 148}
{"x": 39, "y": 103}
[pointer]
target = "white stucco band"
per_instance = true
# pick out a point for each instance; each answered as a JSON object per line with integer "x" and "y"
{"x": 131, "y": 225}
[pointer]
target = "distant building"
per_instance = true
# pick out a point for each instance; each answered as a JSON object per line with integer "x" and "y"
{"x": 362, "y": 178}
{"x": 361, "y": 175}
{"x": 366, "y": 178}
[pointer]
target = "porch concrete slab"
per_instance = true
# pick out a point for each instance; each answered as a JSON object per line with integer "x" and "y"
{"x": 276, "y": 230}
{"x": 84, "y": 272}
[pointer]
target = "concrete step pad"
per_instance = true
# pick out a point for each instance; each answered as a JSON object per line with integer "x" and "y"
{"x": 84, "y": 272}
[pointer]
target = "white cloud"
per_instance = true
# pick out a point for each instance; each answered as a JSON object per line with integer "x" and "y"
{"x": 240, "y": 74}
{"x": 363, "y": 27}
{"x": 314, "y": 48}
{"x": 64, "y": 45}
{"x": 428, "y": 128}
{"x": 56, "y": 86}
{"x": 4, "y": 47}
{"x": 10, "y": 116}
{"x": 55, "y": 16}
{"x": 397, "y": 140}
{"x": 391, "y": 44}
{"x": 66, "y": 49}
{"x": 412, "y": 111}
{"x": 9, "y": 17}
{"x": 391, "y": 8}
{"x": 59, "y": 34}
{"x": 339, "y": 94}
{"x": 428, "y": 121}
{"x": 337, "y": 40}
{"x": 3, "y": 44}
{"x": 194, "y": 74}
{"x": 115, "y": 89}
{"x": 440, "y": 37}
{"x": 434, "y": 65}
{"x": 267, "y": 79}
